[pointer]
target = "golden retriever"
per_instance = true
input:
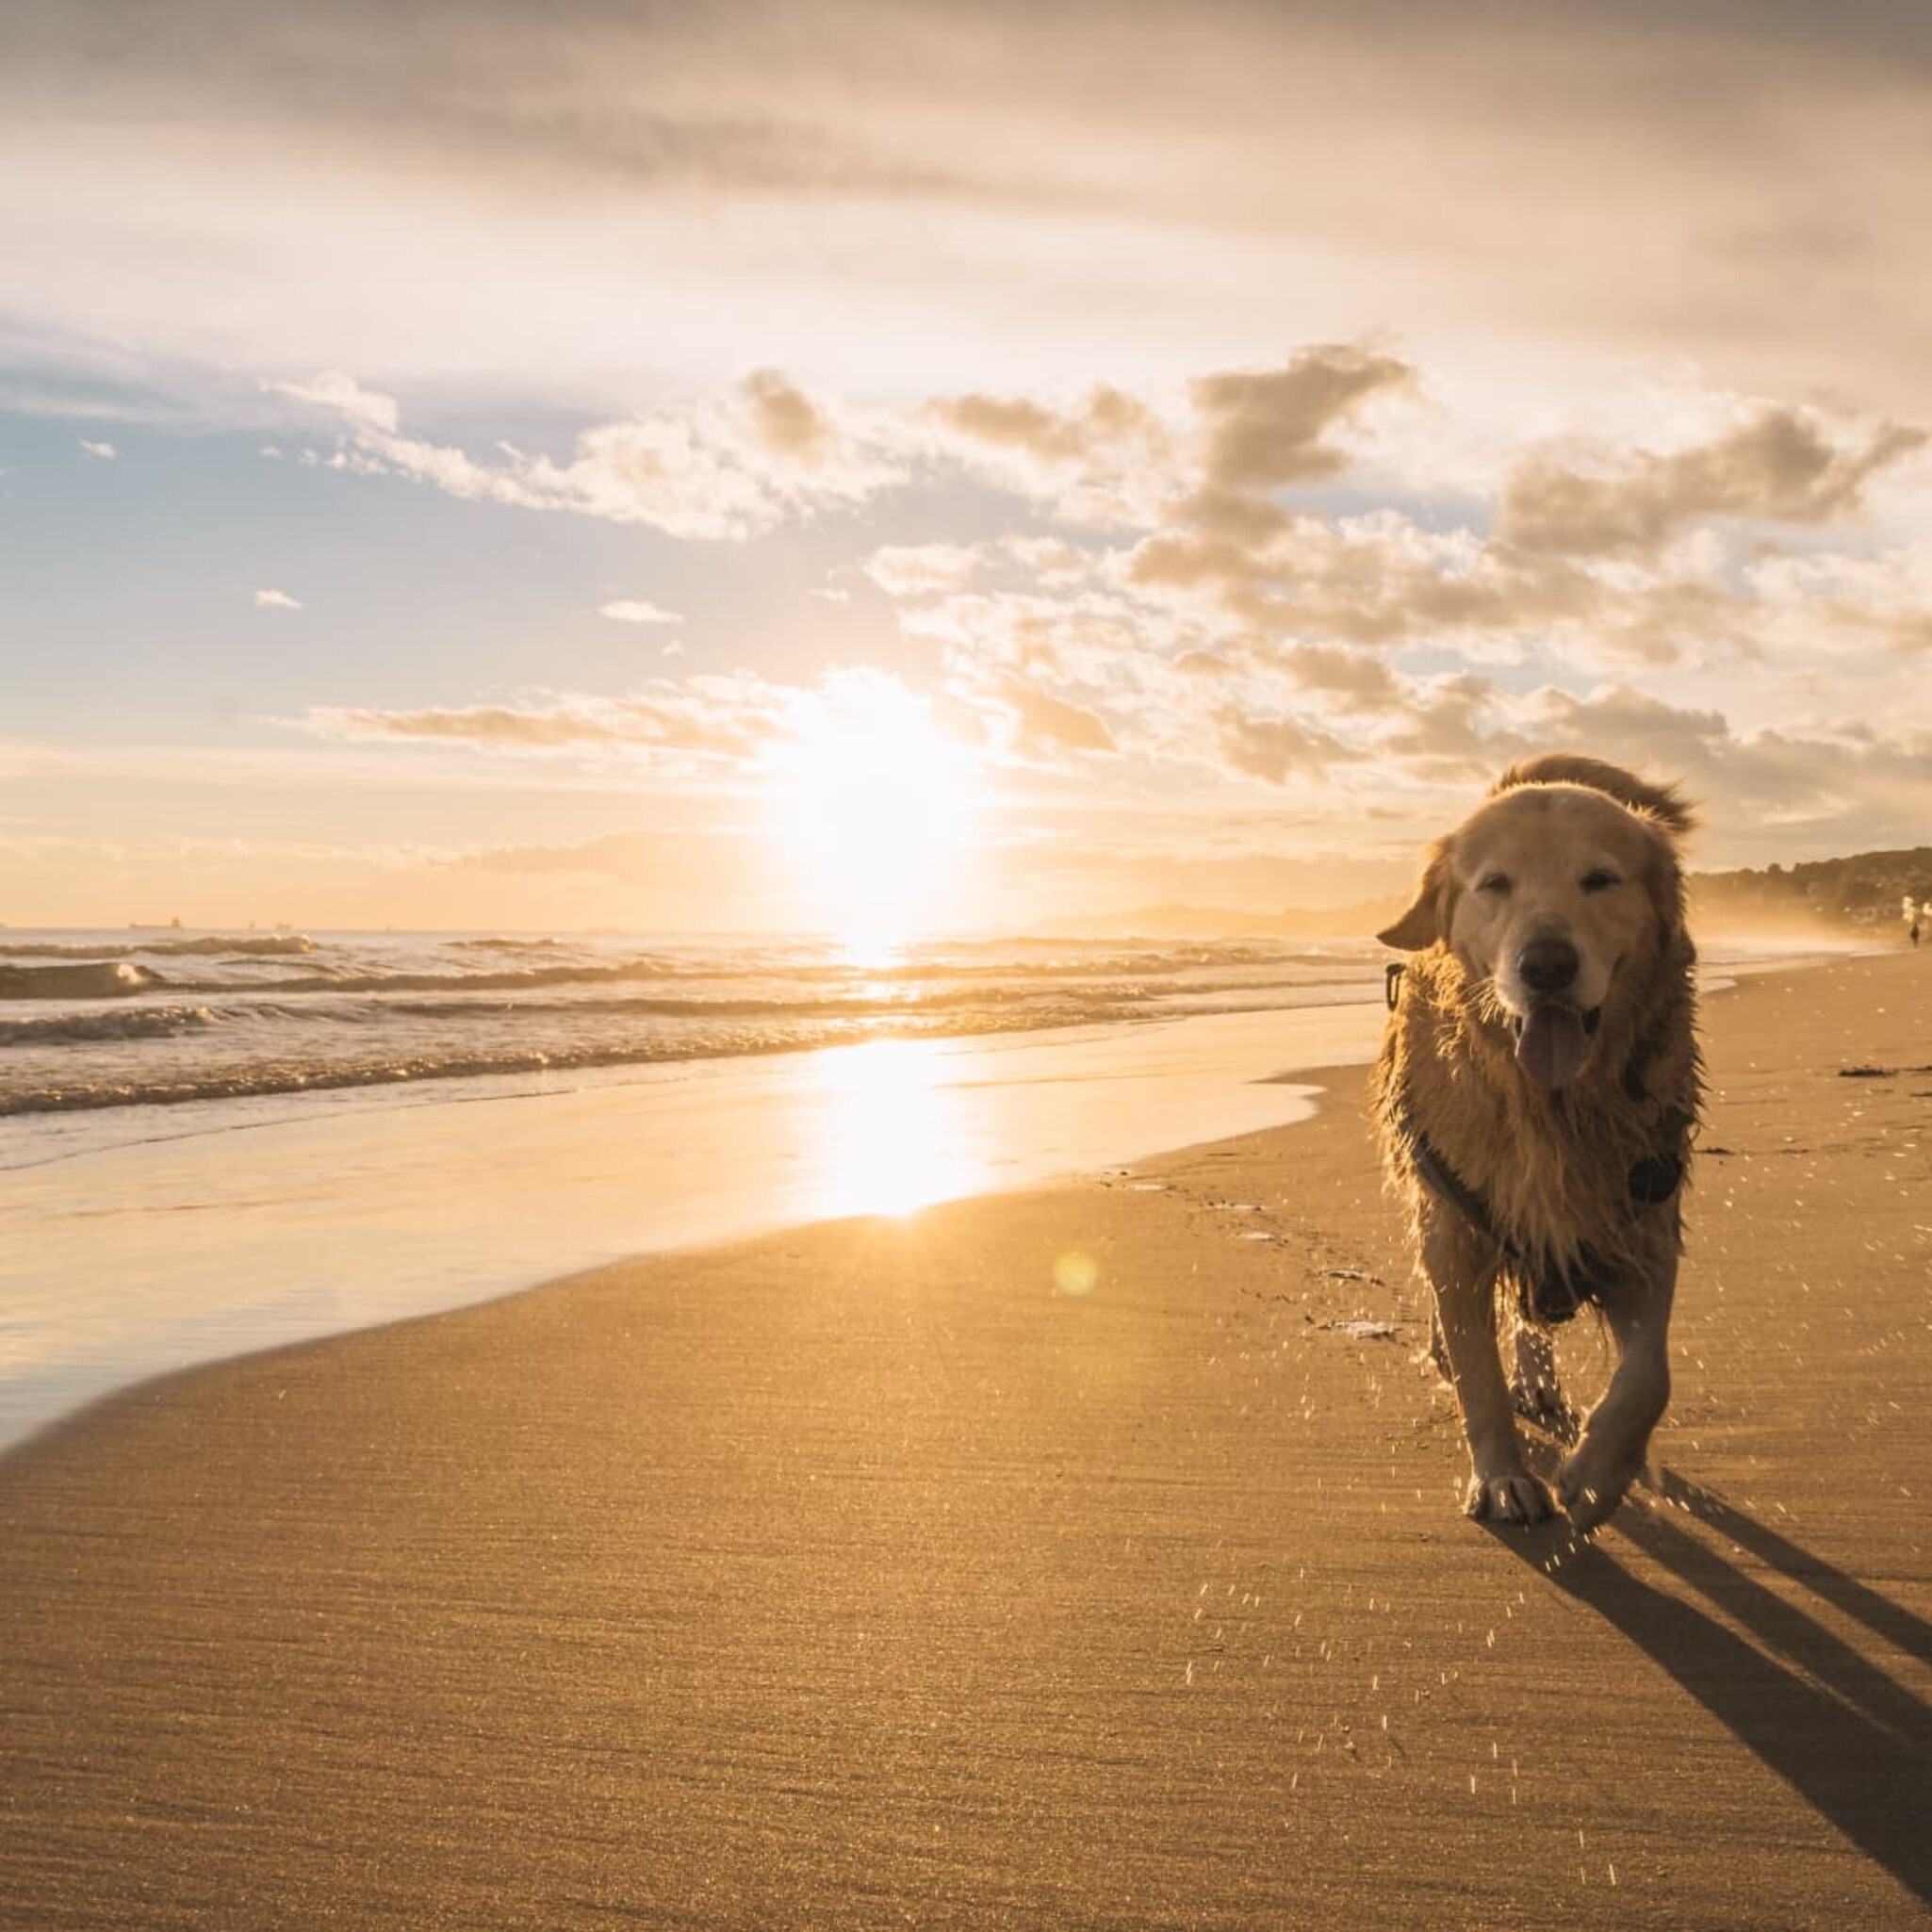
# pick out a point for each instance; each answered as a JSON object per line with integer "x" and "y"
{"x": 1536, "y": 1090}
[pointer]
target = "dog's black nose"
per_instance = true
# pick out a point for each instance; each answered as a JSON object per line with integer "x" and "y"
{"x": 1547, "y": 966}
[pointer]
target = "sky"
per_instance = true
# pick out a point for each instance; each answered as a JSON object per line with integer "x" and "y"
{"x": 888, "y": 468}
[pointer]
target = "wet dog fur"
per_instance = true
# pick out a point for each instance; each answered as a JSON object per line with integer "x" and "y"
{"x": 1543, "y": 1042}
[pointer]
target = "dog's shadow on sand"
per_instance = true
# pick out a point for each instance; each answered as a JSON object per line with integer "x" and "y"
{"x": 1816, "y": 1710}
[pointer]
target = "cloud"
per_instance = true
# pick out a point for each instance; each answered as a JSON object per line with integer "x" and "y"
{"x": 1352, "y": 677}
{"x": 1048, "y": 680}
{"x": 101, "y": 452}
{"x": 637, "y": 611}
{"x": 1275, "y": 749}
{"x": 1378, "y": 581}
{"x": 1782, "y": 465}
{"x": 1635, "y": 558}
{"x": 660, "y": 471}
{"x": 1050, "y": 559}
{"x": 1024, "y": 426}
{"x": 913, "y": 571}
{"x": 782, "y": 420}
{"x": 1834, "y": 597}
{"x": 1266, "y": 428}
{"x": 276, "y": 600}
{"x": 1204, "y": 663}
{"x": 702, "y": 720}
{"x": 1043, "y": 726}
{"x": 335, "y": 394}
{"x": 910, "y": 570}
{"x": 1111, "y": 456}
{"x": 685, "y": 860}
{"x": 723, "y": 471}
{"x": 1098, "y": 461}
{"x": 1073, "y": 636}
{"x": 1762, "y": 786}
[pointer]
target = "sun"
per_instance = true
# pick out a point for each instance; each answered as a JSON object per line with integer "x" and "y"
{"x": 873, "y": 805}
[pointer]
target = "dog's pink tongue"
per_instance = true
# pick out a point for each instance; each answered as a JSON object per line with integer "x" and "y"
{"x": 1551, "y": 1046}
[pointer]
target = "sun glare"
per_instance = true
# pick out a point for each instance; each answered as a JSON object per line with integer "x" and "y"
{"x": 891, "y": 1139}
{"x": 873, "y": 805}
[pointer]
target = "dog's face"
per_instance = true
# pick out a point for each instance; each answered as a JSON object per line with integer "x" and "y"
{"x": 1555, "y": 896}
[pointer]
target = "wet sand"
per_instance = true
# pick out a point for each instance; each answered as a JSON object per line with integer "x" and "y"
{"x": 213, "y": 1232}
{"x": 1047, "y": 1559}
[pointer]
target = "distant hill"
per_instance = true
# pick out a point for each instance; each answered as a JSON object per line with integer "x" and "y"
{"x": 1824, "y": 895}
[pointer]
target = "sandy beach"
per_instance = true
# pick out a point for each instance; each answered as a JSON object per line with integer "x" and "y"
{"x": 1049, "y": 1558}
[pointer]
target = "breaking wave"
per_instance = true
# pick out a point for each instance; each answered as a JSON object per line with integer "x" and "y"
{"x": 235, "y": 1015}
{"x": 115, "y": 1023}
{"x": 248, "y": 945}
{"x": 98, "y": 979}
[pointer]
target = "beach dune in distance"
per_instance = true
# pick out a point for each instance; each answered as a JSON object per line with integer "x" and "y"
{"x": 1085, "y": 1556}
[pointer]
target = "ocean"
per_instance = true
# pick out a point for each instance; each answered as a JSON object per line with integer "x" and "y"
{"x": 97, "y": 1020}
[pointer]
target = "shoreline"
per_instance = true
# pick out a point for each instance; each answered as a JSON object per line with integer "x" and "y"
{"x": 1059, "y": 1557}
{"x": 191, "y": 1249}
{"x": 244, "y": 1230}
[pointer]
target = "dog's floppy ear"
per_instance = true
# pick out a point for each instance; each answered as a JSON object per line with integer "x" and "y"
{"x": 1665, "y": 884}
{"x": 1427, "y": 919}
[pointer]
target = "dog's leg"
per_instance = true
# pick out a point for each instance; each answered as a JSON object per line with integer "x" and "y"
{"x": 1534, "y": 1384}
{"x": 1437, "y": 1356}
{"x": 1462, "y": 1267}
{"x": 1616, "y": 1433}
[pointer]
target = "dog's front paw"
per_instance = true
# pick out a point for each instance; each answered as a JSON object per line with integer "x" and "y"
{"x": 1513, "y": 1499}
{"x": 1593, "y": 1481}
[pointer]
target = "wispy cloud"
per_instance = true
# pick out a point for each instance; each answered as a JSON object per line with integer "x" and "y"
{"x": 904, "y": 570}
{"x": 336, "y": 394}
{"x": 759, "y": 455}
{"x": 276, "y": 600}
{"x": 100, "y": 452}
{"x": 701, "y": 722}
{"x": 637, "y": 611}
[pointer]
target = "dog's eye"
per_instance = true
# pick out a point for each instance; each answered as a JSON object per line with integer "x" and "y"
{"x": 1601, "y": 880}
{"x": 1492, "y": 882}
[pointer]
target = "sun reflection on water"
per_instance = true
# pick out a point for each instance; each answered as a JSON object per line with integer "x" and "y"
{"x": 894, "y": 1138}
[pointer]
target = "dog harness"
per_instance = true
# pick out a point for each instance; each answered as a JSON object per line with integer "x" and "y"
{"x": 1549, "y": 1292}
